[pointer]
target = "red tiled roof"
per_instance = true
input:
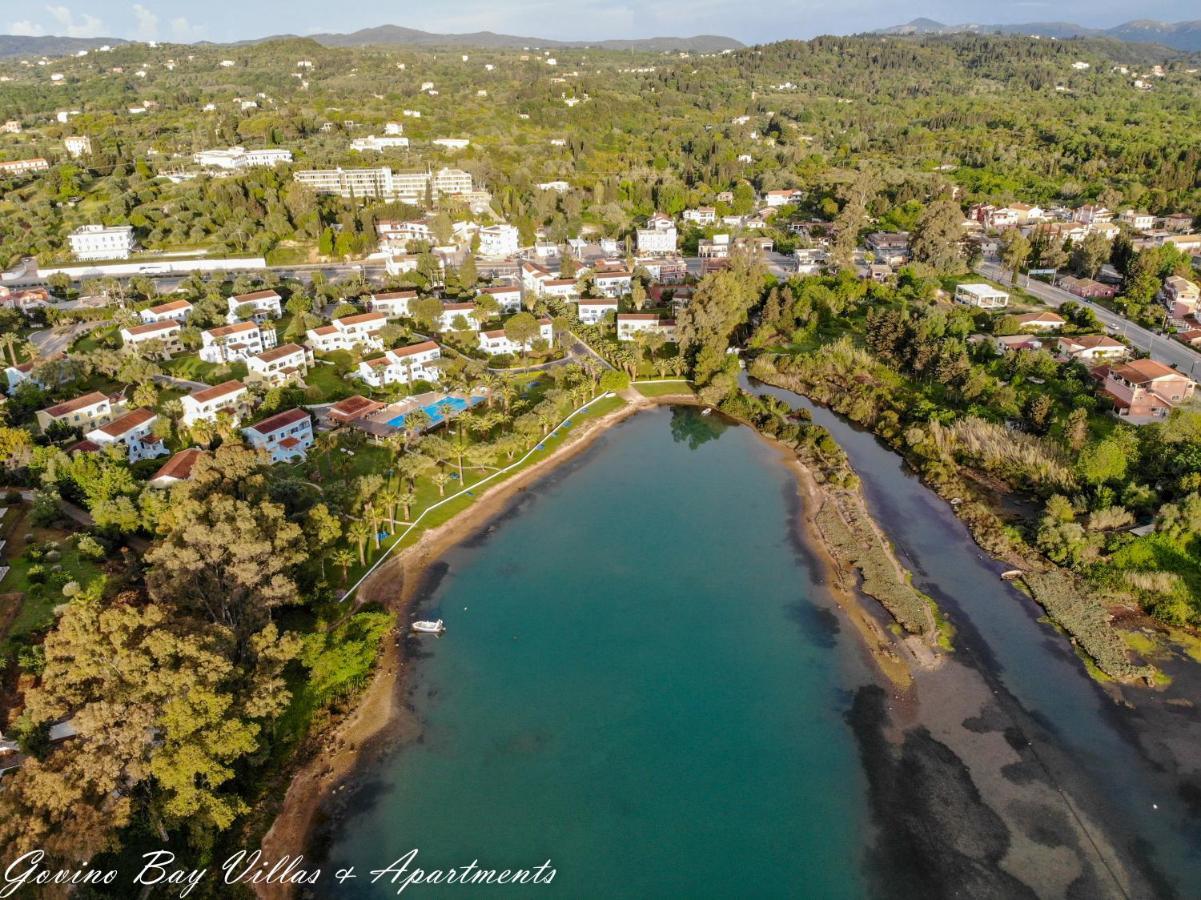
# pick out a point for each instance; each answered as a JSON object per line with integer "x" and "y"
{"x": 415, "y": 348}
{"x": 361, "y": 317}
{"x": 180, "y": 465}
{"x": 353, "y": 408}
{"x": 279, "y": 352}
{"x": 395, "y": 295}
{"x": 69, "y": 406}
{"x": 170, "y": 307}
{"x": 289, "y": 442}
{"x": 637, "y": 317}
{"x": 126, "y": 423}
{"x": 152, "y": 327}
{"x": 219, "y": 390}
{"x": 239, "y": 328}
{"x": 255, "y": 295}
{"x": 280, "y": 420}
{"x": 1142, "y": 370}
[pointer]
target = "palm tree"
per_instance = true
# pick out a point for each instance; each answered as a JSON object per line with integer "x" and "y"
{"x": 389, "y": 497}
{"x": 8, "y": 344}
{"x": 360, "y": 532}
{"x": 203, "y": 432}
{"x": 441, "y": 479}
{"x": 416, "y": 422}
{"x": 406, "y": 499}
{"x": 344, "y": 559}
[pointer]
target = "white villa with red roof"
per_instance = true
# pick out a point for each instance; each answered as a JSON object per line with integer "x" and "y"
{"x": 279, "y": 365}
{"x": 613, "y": 283}
{"x": 404, "y": 365}
{"x": 497, "y": 342}
{"x": 393, "y": 304}
{"x": 177, "y": 310}
{"x": 1091, "y": 348}
{"x": 285, "y": 436}
{"x": 342, "y": 334}
{"x": 85, "y": 412}
{"x": 451, "y": 312}
{"x": 135, "y": 431}
{"x": 178, "y": 468}
{"x": 263, "y": 305}
{"x": 165, "y": 333}
{"x": 592, "y": 311}
{"x": 234, "y": 343}
{"x": 229, "y": 396}
{"x": 508, "y": 296}
{"x": 630, "y": 324}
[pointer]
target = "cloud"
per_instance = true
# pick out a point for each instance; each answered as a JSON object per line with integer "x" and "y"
{"x": 86, "y": 26}
{"x": 25, "y": 28}
{"x": 147, "y": 23}
{"x": 184, "y": 31}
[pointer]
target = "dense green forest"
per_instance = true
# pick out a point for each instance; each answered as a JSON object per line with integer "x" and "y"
{"x": 1002, "y": 118}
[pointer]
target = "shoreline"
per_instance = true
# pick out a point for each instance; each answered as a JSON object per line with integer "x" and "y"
{"x": 380, "y": 713}
{"x": 380, "y": 716}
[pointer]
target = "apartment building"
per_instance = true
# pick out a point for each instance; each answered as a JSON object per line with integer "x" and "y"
{"x": 499, "y": 241}
{"x": 508, "y": 296}
{"x": 342, "y": 334}
{"x": 285, "y": 436}
{"x": 613, "y": 283}
{"x": 23, "y": 166}
{"x": 393, "y": 304}
{"x": 452, "y": 313}
{"x": 176, "y": 310}
{"x": 631, "y": 324}
{"x": 234, "y": 158}
{"x": 593, "y": 311}
{"x": 163, "y": 335}
{"x": 91, "y": 242}
{"x": 85, "y": 412}
{"x": 134, "y": 431}
{"x": 235, "y": 343}
{"x": 280, "y": 365}
{"x": 261, "y": 306}
{"x": 659, "y": 236}
{"x": 497, "y": 342}
{"x": 229, "y": 397}
{"x": 404, "y": 365}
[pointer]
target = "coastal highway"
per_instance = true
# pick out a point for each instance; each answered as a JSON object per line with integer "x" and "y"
{"x": 1160, "y": 348}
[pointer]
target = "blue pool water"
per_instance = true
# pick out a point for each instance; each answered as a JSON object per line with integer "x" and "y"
{"x": 434, "y": 411}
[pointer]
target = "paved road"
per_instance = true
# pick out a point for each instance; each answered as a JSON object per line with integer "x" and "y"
{"x": 182, "y": 383}
{"x": 50, "y": 341}
{"x": 1163, "y": 349}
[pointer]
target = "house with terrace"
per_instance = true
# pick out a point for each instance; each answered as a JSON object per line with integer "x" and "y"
{"x": 393, "y": 304}
{"x": 85, "y": 413}
{"x": 1091, "y": 348}
{"x": 458, "y": 317}
{"x": 176, "y": 310}
{"x": 134, "y": 431}
{"x": 1144, "y": 390}
{"x": 404, "y": 365}
{"x": 162, "y": 336}
{"x": 235, "y": 343}
{"x": 280, "y": 365}
{"x": 257, "y": 305}
{"x": 507, "y": 296}
{"x": 342, "y": 334}
{"x": 631, "y": 324}
{"x": 981, "y": 296}
{"x": 613, "y": 283}
{"x": 497, "y": 342}
{"x": 285, "y": 436}
{"x": 592, "y": 311}
{"x": 228, "y": 397}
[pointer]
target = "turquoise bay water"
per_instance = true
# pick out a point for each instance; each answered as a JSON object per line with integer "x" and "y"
{"x": 642, "y": 682}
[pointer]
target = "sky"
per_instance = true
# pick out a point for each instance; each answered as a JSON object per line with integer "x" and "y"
{"x": 751, "y": 21}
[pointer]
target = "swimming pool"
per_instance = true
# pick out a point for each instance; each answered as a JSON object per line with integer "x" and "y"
{"x": 434, "y": 410}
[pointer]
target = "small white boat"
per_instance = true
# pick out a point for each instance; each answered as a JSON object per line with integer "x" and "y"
{"x": 426, "y": 627}
{"x": 706, "y": 412}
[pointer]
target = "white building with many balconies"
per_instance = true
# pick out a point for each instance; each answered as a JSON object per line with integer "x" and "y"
{"x": 91, "y": 242}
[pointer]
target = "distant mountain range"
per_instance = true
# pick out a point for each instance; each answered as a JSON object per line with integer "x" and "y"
{"x": 1177, "y": 35}
{"x": 392, "y": 36}
{"x": 395, "y": 35}
{"x": 50, "y": 45}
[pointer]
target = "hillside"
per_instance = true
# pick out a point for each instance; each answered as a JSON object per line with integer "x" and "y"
{"x": 50, "y": 45}
{"x": 1184, "y": 36}
{"x": 396, "y": 35}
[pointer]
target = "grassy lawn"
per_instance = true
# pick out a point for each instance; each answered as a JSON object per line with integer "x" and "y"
{"x": 94, "y": 340}
{"x": 325, "y": 378}
{"x": 40, "y": 580}
{"x": 664, "y": 388}
{"x": 193, "y": 368}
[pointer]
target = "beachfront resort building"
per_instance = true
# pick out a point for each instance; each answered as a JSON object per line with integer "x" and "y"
{"x": 497, "y": 342}
{"x": 280, "y": 365}
{"x": 257, "y": 305}
{"x": 342, "y": 334}
{"x": 235, "y": 343}
{"x": 85, "y": 412}
{"x": 404, "y": 365}
{"x": 285, "y": 436}
{"x": 134, "y": 431}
